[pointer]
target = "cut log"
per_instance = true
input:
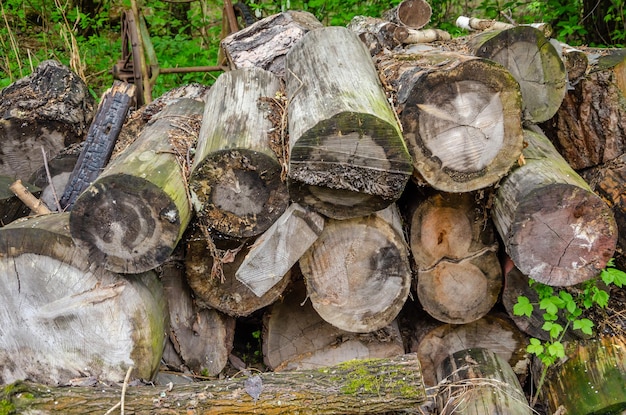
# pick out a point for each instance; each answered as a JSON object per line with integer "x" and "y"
{"x": 131, "y": 218}
{"x": 100, "y": 141}
{"x": 296, "y": 337}
{"x": 576, "y": 62}
{"x": 490, "y": 332}
{"x": 533, "y": 61}
{"x": 411, "y": 13}
{"x": 426, "y": 36}
{"x": 591, "y": 379}
{"x": 50, "y": 109}
{"x": 590, "y": 126}
{"x": 11, "y": 207}
{"x": 220, "y": 289}
{"x": 480, "y": 382}
{"x": 377, "y": 34}
{"x": 473, "y": 23}
{"x": 460, "y": 114}
{"x": 236, "y": 182}
{"x": 201, "y": 338}
{"x": 65, "y": 317}
{"x": 357, "y": 272}
{"x": 554, "y": 228}
{"x": 361, "y": 386}
{"x": 347, "y": 155}
{"x": 276, "y": 251}
{"x": 265, "y": 43}
{"x": 455, "y": 250}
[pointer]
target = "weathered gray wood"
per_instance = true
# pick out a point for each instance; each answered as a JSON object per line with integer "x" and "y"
{"x": 554, "y": 228}
{"x": 236, "y": 185}
{"x": 378, "y": 34}
{"x": 65, "y": 317}
{"x": 347, "y": 156}
{"x": 131, "y": 218}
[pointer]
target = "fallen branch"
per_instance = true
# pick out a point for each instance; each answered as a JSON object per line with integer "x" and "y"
{"x": 36, "y": 205}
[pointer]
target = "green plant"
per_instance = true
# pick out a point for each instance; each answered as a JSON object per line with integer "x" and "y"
{"x": 570, "y": 307}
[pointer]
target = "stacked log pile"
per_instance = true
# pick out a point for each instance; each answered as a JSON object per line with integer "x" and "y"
{"x": 318, "y": 183}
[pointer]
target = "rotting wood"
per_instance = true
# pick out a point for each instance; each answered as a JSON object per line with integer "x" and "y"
{"x": 347, "y": 156}
{"x": 378, "y": 34}
{"x": 359, "y": 386}
{"x": 100, "y": 141}
{"x": 131, "y": 218}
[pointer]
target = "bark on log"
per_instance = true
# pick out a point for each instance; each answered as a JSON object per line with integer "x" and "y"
{"x": 460, "y": 114}
{"x": 472, "y": 23}
{"x": 236, "y": 182}
{"x": 265, "y": 43}
{"x": 542, "y": 78}
{"x": 576, "y": 62}
{"x": 482, "y": 382}
{"x": 220, "y": 289}
{"x": 554, "y": 228}
{"x": 131, "y": 218}
{"x": 455, "y": 250}
{"x": 490, "y": 332}
{"x": 50, "y": 108}
{"x": 201, "y": 339}
{"x": 347, "y": 155}
{"x": 11, "y": 207}
{"x": 276, "y": 251}
{"x": 590, "y": 126}
{"x": 357, "y": 272}
{"x": 378, "y": 34}
{"x": 65, "y": 317}
{"x": 296, "y": 337}
{"x": 591, "y": 379}
{"x": 361, "y": 386}
{"x": 100, "y": 141}
{"x": 411, "y": 13}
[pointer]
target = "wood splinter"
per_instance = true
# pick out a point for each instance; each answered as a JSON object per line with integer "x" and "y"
{"x": 36, "y": 205}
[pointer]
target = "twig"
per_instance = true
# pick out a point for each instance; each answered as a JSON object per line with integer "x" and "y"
{"x": 54, "y": 192}
{"x": 28, "y": 198}
{"x": 124, "y": 386}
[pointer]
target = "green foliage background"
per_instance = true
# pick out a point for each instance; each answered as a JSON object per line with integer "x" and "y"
{"x": 85, "y": 34}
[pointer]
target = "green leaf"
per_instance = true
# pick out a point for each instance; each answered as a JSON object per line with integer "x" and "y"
{"x": 535, "y": 347}
{"x": 613, "y": 276}
{"x": 600, "y": 297}
{"x": 585, "y": 325}
{"x": 523, "y": 307}
{"x": 556, "y": 349}
{"x": 554, "y": 329}
{"x": 549, "y": 305}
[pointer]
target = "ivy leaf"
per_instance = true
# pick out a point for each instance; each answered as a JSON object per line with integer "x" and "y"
{"x": 556, "y": 349}
{"x": 613, "y": 276}
{"x": 549, "y": 305}
{"x": 553, "y": 328}
{"x": 523, "y": 307}
{"x": 535, "y": 347}
{"x": 585, "y": 325}
{"x": 600, "y": 297}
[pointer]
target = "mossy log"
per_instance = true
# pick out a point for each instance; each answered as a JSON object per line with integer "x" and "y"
{"x": 461, "y": 117}
{"x": 357, "y": 272}
{"x": 455, "y": 250}
{"x": 554, "y": 228}
{"x": 236, "y": 184}
{"x": 361, "y": 386}
{"x": 132, "y": 217}
{"x": 347, "y": 155}
{"x": 533, "y": 61}
{"x": 479, "y": 382}
{"x": 65, "y": 317}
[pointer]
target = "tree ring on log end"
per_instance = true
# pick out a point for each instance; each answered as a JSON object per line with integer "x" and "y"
{"x": 238, "y": 192}
{"x": 127, "y": 223}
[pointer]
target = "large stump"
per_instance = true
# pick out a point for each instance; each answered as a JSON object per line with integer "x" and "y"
{"x": 65, "y": 317}
{"x": 554, "y": 228}
{"x": 236, "y": 182}
{"x": 461, "y": 117}
{"x": 347, "y": 156}
{"x": 131, "y": 218}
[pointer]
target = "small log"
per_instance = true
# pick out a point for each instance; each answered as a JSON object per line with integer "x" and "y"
{"x": 455, "y": 250}
{"x": 51, "y": 108}
{"x": 357, "y": 272}
{"x": 295, "y": 337}
{"x": 426, "y": 36}
{"x": 236, "y": 182}
{"x": 276, "y": 251}
{"x": 490, "y": 332}
{"x": 589, "y": 128}
{"x": 65, "y": 317}
{"x": 378, "y": 34}
{"x": 590, "y": 380}
{"x": 542, "y": 79}
{"x": 479, "y": 382}
{"x": 100, "y": 141}
{"x": 554, "y": 228}
{"x": 202, "y": 339}
{"x": 411, "y": 13}
{"x": 347, "y": 155}
{"x": 211, "y": 275}
{"x": 356, "y": 387}
{"x": 30, "y": 200}
{"x": 265, "y": 43}
{"x": 473, "y": 23}
{"x": 131, "y": 218}
{"x": 11, "y": 207}
{"x": 460, "y": 114}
